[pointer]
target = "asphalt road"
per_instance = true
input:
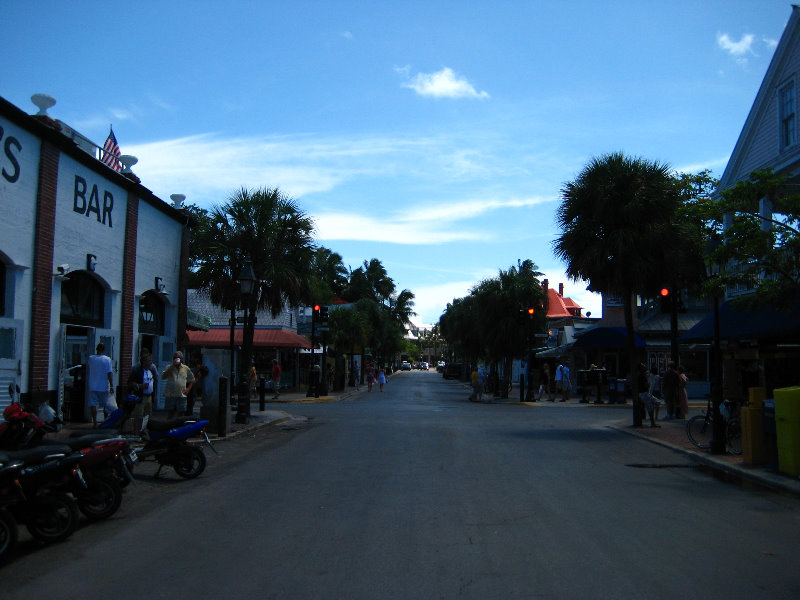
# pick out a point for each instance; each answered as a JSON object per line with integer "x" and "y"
{"x": 417, "y": 493}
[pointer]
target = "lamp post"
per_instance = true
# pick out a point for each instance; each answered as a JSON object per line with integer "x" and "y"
{"x": 718, "y": 433}
{"x": 247, "y": 282}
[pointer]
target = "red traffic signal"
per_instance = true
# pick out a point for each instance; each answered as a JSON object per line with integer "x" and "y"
{"x": 316, "y": 308}
{"x": 531, "y": 311}
{"x": 664, "y": 292}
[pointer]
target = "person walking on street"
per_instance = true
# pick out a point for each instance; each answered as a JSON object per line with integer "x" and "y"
{"x": 545, "y": 385}
{"x": 356, "y": 375}
{"x": 370, "y": 376}
{"x": 178, "y": 379}
{"x": 559, "y": 378}
{"x": 381, "y": 378}
{"x": 253, "y": 380}
{"x": 474, "y": 382}
{"x": 142, "y": 382}
{"x": 566, "y": 384}
{"x": 276, "y": 378}
{"x": 101, "y": 382}
{"x": 669, "y": 387}
{"x": 683, "y": 396}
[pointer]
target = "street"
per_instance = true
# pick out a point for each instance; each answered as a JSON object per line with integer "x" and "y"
{"x": 417, "y": 493}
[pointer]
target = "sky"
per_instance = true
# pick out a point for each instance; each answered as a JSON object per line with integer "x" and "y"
{"x": 433, "y": 135}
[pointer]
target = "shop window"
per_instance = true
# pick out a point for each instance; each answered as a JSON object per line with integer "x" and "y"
{"x": 82, "y": 300}
{"x": 8, "y": 342}
{"x": 151, "y": 314}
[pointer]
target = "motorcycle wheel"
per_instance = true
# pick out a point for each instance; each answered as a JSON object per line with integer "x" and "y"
{"x": 8, "y": 535}
{"x": 53, "y": 518}
{"x": 190, "y": 462}
{"x": 101, "y": 498}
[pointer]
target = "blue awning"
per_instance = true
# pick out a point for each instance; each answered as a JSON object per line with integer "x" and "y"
{"x": 764, "y": 323}
{"x": 606, "y": 338}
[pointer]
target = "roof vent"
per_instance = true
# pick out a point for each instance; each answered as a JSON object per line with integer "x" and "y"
{"x": 177, "y": 199}
{"x": 43, "y": 102}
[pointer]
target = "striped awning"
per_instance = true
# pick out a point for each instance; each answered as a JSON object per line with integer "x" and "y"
{"x": 262, "y": 338}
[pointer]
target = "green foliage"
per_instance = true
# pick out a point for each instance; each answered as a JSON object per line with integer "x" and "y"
{"x": 491, "y": 323}
{"x": 759, "y": 251}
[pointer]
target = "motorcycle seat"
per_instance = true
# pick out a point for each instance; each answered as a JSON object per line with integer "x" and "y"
{"x": 155, "y": 425}
{"x": 37, "y": 453}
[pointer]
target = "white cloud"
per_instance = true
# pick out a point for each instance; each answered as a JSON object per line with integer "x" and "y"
{"x": 442, "y": 84}
{"x": 739, "y": 49}
{"x": 770, "y": 43}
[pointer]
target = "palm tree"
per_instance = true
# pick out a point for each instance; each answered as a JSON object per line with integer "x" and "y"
{"x": 330, "y": 274}
{"x": 617, "y": 220}
{"x": 267, "y": 228}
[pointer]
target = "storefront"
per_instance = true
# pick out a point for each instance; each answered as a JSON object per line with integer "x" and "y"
{"x": 87, "y": 255}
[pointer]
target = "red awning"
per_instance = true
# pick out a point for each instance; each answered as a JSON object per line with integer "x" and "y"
{"x": 262, "y": 338}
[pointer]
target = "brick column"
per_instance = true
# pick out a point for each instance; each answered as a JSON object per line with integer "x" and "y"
{"x": 129, "y": 311}
{"x": 42, "y": 296}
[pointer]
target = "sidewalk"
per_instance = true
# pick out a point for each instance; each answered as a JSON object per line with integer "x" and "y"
{"x": 672, "y": 434}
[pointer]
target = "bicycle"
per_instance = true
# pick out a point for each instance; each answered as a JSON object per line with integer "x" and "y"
{"x": 700, "y": 428}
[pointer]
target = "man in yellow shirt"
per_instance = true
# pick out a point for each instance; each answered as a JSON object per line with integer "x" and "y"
{"x": 178, "y": 380}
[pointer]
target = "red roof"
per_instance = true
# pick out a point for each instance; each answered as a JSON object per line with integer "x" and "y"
{"x": 267, "y": 338}
{"x": 558, "y": 307}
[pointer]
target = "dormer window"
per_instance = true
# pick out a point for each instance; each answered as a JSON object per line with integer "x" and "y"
{"x": 788, "y": 126}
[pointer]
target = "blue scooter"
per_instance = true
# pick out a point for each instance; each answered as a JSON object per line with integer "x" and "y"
{"x": 168, "y": 445}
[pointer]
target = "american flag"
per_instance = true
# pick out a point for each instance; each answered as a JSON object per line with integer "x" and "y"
{"x": 111, "y": 152}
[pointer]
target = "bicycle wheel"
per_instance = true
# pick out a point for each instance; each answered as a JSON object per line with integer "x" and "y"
{"x": 700, "y": 431}
{"x": 733, "y": 433}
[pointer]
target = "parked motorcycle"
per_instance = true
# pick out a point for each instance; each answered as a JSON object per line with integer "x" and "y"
{"x": 104, "y": 462}
{"x": 168, "y": 445}
{"x": 33, "y": 484}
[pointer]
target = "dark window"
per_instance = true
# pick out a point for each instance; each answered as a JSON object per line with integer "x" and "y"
{"x": 82, "y": 300}
{"x": 787, "y": 114}
{"x": 151, "y": 314}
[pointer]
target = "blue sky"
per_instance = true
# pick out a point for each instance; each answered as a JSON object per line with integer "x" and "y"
{"x": 434, "y": 136}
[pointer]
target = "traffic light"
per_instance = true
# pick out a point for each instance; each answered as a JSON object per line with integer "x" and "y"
{"x": 527, "y": 311}
{"x": 666, "y": 300}
{"x": 323, "y": 315}
{"x": 315, "y": 314}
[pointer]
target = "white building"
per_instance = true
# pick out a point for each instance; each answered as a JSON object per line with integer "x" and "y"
{"x": 87, "y": 254}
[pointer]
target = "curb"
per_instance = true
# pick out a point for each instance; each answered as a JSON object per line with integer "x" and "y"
{"x": 768, "y": 480}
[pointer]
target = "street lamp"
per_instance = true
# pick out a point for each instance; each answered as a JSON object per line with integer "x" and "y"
{"x": 247, "y": 282}
{"x": 713, "y": 269}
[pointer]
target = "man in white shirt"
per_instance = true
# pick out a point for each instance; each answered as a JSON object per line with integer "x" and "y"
{"x": 100, "y": 380}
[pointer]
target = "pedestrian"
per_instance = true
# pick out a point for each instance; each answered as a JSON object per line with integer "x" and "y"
{"x": 563, "y": 382}
{"x": 545, "y": 385}
{"x": 142, "y": 382}
{"x": 646, "y": 397}
{"x": 196, "y": 393}
{"x": 655, "y": 383}
{"x": 370, "y": 376}
{"x": 252, "y": 377}
{"x": 473, "y": 378}
{"x": 276, "y": 378}
{"x": 356, "y": 375}
{"x": 683, "y": 396}
{"x": 100, "y": 377}
{"x": 559, "y": 378}
{"x": 178, "y": 379}
{"x": 670, "y": 387}
{"x": 381, "y": 378}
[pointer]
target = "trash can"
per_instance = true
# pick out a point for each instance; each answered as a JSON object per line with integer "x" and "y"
{"x": 787, "y": 427}
{"x": 612, "y": 390}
